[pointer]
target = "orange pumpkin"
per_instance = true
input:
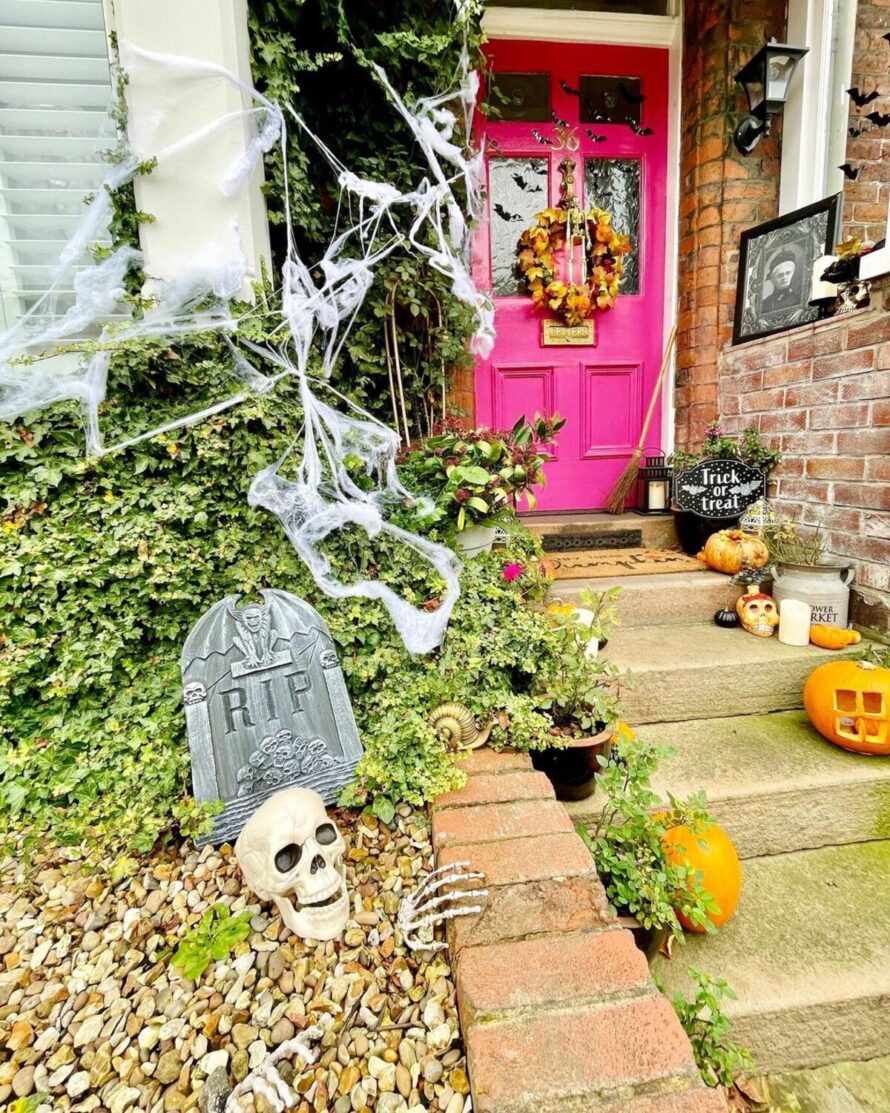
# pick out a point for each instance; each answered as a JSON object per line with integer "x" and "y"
{"x": 711, "y": 852}
{"x": 848, "y": 702}
{"x": 833, "y": 637}
{"x": 732, "y": 549}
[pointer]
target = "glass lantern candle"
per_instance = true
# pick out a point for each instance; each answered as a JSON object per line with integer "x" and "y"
{"x": 655, "y": 486}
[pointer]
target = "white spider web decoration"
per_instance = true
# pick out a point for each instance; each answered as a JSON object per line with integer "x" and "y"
{"x": 320, "y": 497}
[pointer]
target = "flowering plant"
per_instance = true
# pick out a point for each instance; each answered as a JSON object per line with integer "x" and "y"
{"x": 602, "y": 261}
{"x": 477, "y": 476}
{"x": 749, "y": 448}
{"x": 532, "y": 580}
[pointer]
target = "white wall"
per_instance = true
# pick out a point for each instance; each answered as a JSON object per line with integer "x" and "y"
{"x": 195, "y": 225}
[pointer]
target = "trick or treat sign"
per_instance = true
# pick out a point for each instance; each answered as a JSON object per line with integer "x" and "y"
{"x": 718, "y": 488}
{"x": 266, "y": 706}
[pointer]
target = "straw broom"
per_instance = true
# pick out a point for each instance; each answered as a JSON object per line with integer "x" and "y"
{"x": 627, "y": 481}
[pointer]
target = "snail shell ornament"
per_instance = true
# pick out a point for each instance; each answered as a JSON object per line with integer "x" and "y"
{"x": 456, "y": 724}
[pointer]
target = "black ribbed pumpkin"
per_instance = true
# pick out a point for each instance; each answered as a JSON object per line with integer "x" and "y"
{"x": 726, "y": 618}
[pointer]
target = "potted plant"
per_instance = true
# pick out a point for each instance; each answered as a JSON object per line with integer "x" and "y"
{"x": 692, "y": 530}
{"x": 579, "y": 694}
{"x": 800, "y": 571}
{"x": 597, "y": 614}
{"x": 647, "y": 885}
{"x": 477, "y": 477}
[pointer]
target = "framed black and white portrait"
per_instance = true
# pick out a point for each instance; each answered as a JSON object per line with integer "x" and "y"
{"x": 776, "y": 269}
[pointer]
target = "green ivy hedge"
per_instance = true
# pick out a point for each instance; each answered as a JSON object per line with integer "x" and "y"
{"x": 105, "y": 565}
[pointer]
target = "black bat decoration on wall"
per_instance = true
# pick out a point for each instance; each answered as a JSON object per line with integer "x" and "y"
{"x": 593, "y": 137}
{"x": 862, "y": 99}
{"x": 880, "y": 119}
{"x": 504, "y": 215}
{"x": 850, "y": 172}
{"x": 558, "y": 120}
{"x": 630, "y": 95}
{"x": 542, "y": 139}
{"x": 637, "y": 130}
{"x": 567, "y": 88}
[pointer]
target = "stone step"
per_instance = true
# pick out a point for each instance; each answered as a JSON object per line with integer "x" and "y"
{"x": 592, "y": 531}
{"x": 850, "y": 1087}
{"x": 808, "y": 955}
{"x": 705, "y": 672}
{"x": 680, "y": 598}
{"x": 772, "y": 781}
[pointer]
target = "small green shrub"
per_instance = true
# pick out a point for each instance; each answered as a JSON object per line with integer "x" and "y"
{"x": 707, "y": 1027}
{"x": 210, "y": 940}
{"x": 627, "y": 842}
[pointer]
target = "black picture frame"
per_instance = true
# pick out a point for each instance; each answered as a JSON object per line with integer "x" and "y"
{"x": 790, "y": 243}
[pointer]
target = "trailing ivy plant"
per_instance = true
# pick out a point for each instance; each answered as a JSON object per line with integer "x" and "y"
{"x": 627, "y": 842}
{"x": 318, "y": 56}
{"x": 707, "y": 1026}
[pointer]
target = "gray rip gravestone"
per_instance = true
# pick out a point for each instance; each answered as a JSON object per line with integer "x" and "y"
{"x": 266, "y": 706}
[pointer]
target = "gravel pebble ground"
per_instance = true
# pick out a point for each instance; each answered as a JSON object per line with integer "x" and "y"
{"x": 93, "y": 1016}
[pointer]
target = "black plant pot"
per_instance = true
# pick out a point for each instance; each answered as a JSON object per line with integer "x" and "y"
{"x": 572, "y": 770}
{"x": 647, "y": 940}
{"x": 693, "y": 531}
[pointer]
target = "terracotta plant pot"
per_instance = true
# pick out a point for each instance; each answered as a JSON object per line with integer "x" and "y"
{"x": 572, "y": 770}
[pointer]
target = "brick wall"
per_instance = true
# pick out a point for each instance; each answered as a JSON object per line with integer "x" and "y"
{"x": 557, "y": 1007}
{"x": 865, "y": 200}
{"x": 821, "y": 393}
{"x": 721, "y": 192}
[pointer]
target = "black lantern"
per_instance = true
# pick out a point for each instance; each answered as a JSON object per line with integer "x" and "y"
{"x": 655, "y": 486}
{"x": 765, "y": 79}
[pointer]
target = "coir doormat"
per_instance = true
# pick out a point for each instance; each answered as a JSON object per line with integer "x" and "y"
{"x": 594, "y": 563}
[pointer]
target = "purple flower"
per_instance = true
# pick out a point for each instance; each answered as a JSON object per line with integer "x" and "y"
{"x": 512, "y": 572}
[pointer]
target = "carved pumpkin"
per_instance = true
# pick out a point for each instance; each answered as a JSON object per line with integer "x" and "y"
{"x": 833, "y": 637}
{"x": 731, "y": 549}
{"x": 848, "y": 702}
{"x": 711, "y": 852}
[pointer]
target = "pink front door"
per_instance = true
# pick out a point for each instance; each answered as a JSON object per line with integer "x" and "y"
{"x": 614, "y": 101}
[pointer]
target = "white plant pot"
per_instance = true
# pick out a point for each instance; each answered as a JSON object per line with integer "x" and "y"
{"x": 475, "y": 539}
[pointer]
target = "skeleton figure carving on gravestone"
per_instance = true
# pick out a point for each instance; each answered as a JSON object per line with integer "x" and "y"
{"x": 291, "y": 852}
{"x": 266, "y": 706}
{"x": 255, "y": 635}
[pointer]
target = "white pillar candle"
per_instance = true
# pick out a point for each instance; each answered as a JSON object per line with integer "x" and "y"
{"x": 794, "y": 622}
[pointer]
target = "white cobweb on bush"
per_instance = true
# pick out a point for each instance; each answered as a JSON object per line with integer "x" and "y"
{"x": 320, "y": 302}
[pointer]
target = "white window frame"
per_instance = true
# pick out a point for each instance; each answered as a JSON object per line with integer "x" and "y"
{"x": 814, "y": 131}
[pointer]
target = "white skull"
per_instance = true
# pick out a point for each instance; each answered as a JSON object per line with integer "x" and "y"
{"x": 291, "y": 852}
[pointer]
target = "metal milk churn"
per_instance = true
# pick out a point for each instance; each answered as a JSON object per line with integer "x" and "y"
{"x": 826, "y": 587}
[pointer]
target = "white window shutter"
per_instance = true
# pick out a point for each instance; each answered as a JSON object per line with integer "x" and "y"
{"x": 55, "y": 92}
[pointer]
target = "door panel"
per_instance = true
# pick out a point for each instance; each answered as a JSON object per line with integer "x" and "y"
{"x": 612, "y": 390}
{"x": 615, "y": 99}
{"x": 523, "y": 390}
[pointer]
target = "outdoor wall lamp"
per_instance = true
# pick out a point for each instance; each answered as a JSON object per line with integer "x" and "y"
{"x": 765, "y": 79}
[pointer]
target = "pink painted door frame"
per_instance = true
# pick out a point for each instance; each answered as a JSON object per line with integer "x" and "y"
{"x": 603, "y": 389}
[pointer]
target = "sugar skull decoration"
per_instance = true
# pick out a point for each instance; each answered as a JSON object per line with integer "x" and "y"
{"x": 291, "y": 852}
{"x": 759, "y": 614}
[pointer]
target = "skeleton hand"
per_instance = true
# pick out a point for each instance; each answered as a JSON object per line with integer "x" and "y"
{"x": 421, "y": 911}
